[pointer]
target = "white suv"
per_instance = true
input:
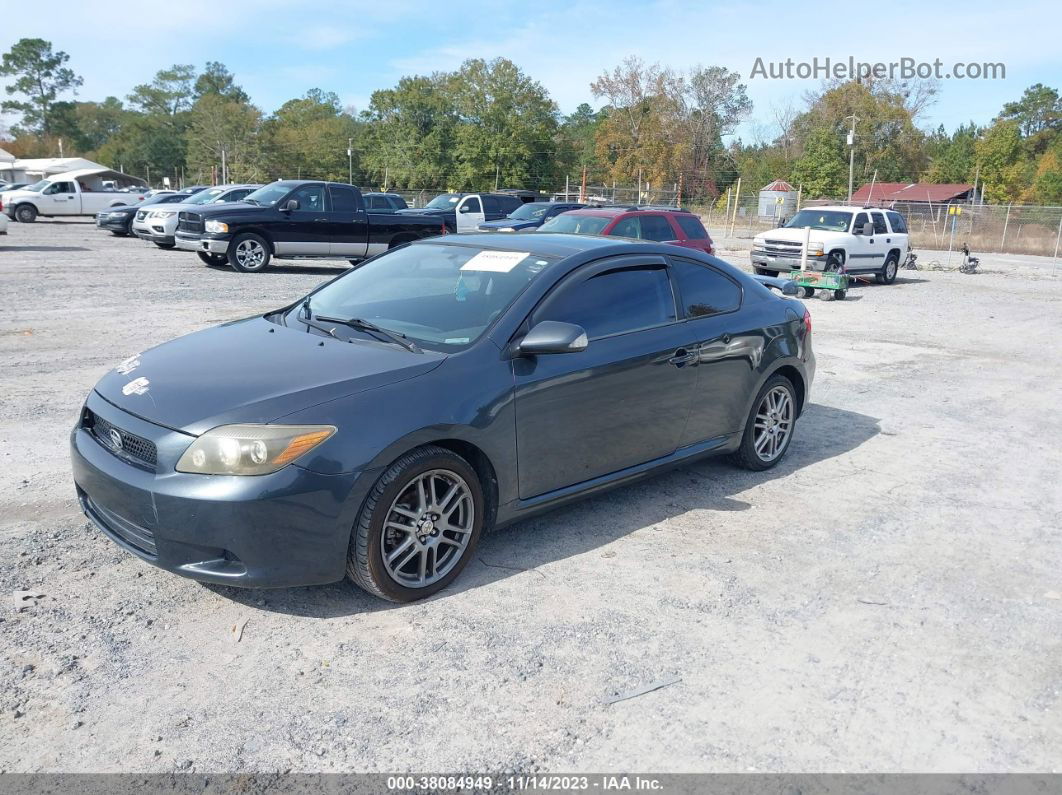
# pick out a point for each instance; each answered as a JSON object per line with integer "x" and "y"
{"x": 855, "y": 239}
{"x": 158, "y": 223}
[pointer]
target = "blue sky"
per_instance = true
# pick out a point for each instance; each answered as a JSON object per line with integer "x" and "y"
{"x": 279, "y": 48}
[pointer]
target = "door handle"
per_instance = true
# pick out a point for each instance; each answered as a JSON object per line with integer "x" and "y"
{"x": 682, "y": 357}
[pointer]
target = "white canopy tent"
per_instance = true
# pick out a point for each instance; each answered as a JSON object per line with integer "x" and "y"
{"x": 34, "y": 169}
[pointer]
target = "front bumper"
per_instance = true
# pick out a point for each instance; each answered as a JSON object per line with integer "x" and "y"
{"x": 116, "y": 225}
{"x": 783, "y": 262}
{"x": 153, "y": 236}
{"x": 210, "y": 245}
{"x": 290, "y": 528}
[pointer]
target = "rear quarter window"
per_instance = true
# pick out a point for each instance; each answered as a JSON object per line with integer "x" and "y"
{"x": 703, "y": 290}
{"x": 897, "y": 223}
{"x": 692, "y": 226}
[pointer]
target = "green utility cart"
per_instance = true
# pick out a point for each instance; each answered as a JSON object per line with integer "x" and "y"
{"x": 830, "y": 284}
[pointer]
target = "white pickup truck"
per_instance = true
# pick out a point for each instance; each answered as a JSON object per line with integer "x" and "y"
{"x": 855, "y": 239}
{"x": 83, "y": 192}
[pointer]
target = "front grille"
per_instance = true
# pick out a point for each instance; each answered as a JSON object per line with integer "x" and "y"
{"x": 190, "y": 222}
{"x": 133, "y": 448}
{"x": 121, "y": 529}
{"x": 782, "y": 248}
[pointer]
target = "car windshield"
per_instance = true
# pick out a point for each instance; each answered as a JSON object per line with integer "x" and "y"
{"x": 530, "y": 212}
{"x": 441, "y": 296}
{"x": 37, "y": 187}
{"x": 575, "y": 224}
{"x": 445, "y": 202}
{"x": 830, "y": 220}
{"x": 205, "y": 196}
{"x": 270, "y": 194}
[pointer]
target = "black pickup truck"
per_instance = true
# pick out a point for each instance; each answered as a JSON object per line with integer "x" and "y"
{"x": 296, "y": 219}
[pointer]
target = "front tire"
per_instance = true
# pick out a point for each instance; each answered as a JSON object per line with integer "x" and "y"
{"x": 166, "y": 246}
{"x": 418, "y": 527}
{"x": 764, "y": 272}
{"x": 211, "y": 259}
{"x": 249, "y": 253}
{"x": 25, "y": 213}
{"x": 770, "y": 425}
{"x": 888, "y": 270}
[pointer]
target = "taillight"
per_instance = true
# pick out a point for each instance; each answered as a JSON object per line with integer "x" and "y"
{"x": 807, "y": 322}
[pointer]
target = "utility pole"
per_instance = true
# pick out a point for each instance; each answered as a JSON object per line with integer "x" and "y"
{"x": 60, "y": 147}
{"x": 582, "y": 190}
{"x": 350, "y": 164}
{"x": 851, "y": 155}
{"x": 977, "y": 176}
{"x": 678, "y": 191}
{"x": 497, "y": 176}
{"x": 224, "y": 169}
{"x": 639, "y": 186}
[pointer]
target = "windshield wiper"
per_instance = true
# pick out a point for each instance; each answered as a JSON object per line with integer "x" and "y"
{"x": 253, "y": 201}
{"x": 364, "y": 325}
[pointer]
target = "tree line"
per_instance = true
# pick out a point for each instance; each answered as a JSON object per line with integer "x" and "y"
{"x": 489, "y": 124}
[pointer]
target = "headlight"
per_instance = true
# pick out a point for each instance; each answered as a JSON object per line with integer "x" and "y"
{"x": 216, "y": 227}
{"x": 506, "y": 229}
{"x": 759, "y": 242}
{"x": 251, "y": 449}
{"x": 161, "y": 214}
{"x": 814, "y": 249}
{"x": 117, "y": 216}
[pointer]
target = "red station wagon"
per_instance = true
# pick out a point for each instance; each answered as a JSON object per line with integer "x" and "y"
{"x": 644, "y": 222}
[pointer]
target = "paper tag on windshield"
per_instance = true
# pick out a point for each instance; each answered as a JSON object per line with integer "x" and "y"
{"x": 495, "y": 261}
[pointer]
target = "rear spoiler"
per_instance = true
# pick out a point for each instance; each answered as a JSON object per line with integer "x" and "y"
{"x": 784, "y": 286}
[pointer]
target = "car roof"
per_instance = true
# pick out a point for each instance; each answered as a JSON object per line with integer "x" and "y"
{"x": 615, "y": 212}
{"x": 543, "y": 244}
{"x": 842, "y": 208}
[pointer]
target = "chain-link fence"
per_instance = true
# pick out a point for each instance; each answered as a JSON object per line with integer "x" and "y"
{"x": 1000, "y": 229}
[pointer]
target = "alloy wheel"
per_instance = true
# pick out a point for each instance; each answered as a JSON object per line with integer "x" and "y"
{"x": 774, "y": 423}
{"x": 250, "y": 254}
{"x": 890, "y": 270}
{"x": 427, "y": 528}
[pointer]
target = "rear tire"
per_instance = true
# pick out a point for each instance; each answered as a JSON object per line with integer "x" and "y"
{"x": 888, "y": 270}
{"x": 249, "y": 253}
{"x": 212, "y": 260}
{"x": 385, "y": 559}
{"x": 764, "y": 272}
{"x": 775, "y": 407}
{"x": 25, "y": 213}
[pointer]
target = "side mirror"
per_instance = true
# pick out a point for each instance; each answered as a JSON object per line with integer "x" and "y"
{"x": 868, "y": 229}
{"x": 291, "y": 205}
{"x": 552, "y": 336}
{"x": 465, "y": 208}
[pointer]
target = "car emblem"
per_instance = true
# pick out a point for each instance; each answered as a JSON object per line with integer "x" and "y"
{"x": 137, "y": 386}
{"x": 128, "y": 365}
{"x": 116, "y": 439}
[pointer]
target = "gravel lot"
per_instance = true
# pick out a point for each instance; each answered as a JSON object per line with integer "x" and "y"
{"x": 890, "y": 598}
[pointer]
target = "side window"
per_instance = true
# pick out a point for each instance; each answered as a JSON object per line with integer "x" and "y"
{"x": 705, "y": 291}
{"x": 879, "y": 224}
{"x": 509, "y": 203}
{"x": 692, "y": 226}
{"x": 656, "y": 227}
{"x": 344, "y": 200}
{"x": 374, "y": 202}
{"x": 614, "y": 301}
{"x": 397, "y": 202}
{"x": 234, "y": 195}
{"x": 60, "y": 187}
{"x": 628, "y": 227}
{"x": 491, "y": 204}
{"x": 311, "y": 198}
{"x": 471, "y": 205}
{"x": 897, "y": 223}
{"x": 860, "y": 219}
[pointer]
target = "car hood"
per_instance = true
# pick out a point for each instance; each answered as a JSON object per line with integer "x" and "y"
{"x": 509, "y": 223}
{"x": 795, "y": 235}
{"x": 227, "y": 209}
{"x": 252, "y": 371}
{"x": 425, "y": 211}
